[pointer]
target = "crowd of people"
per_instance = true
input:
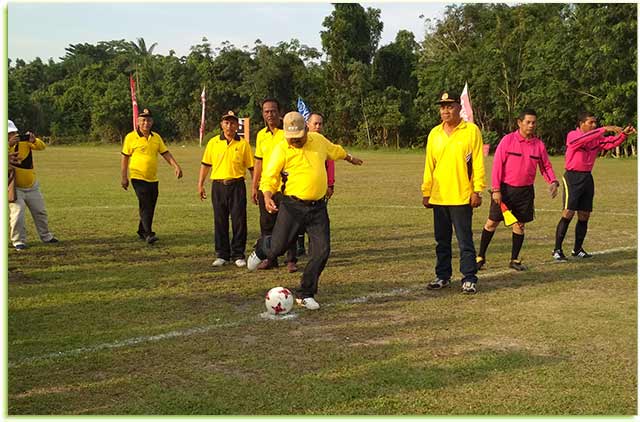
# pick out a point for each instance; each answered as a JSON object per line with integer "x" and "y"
{"x": 293, "y": 174}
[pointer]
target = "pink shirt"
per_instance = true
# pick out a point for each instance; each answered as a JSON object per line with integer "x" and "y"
{"x": 516, "y": 159}
{"x": 583, "y": 148}
{"x": 331, "y": 172}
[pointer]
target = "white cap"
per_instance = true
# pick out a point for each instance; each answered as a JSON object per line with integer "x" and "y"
{"x": 12, "y": 127}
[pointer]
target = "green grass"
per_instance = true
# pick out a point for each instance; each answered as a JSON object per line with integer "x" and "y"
{"x": 560, "y": 339}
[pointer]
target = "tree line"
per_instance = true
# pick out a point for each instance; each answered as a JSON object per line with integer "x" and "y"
{"x": 559, "y": 59}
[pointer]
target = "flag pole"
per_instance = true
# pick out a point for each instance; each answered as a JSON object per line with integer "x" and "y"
{"x": 203, "y": 101}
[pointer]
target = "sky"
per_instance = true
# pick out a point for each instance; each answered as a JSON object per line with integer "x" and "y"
{"x": 45, "y": 29}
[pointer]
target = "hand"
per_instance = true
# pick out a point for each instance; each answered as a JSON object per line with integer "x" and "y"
{"x": 476, "y": 200}
{"x": 14, "y": 139}
{"x": 32, "y": 137}
{"x": 329, "y": 192}
{"x": 202, "y": 193}
{"x": 13, "y": 159}
{"x": 629, "y": 130}
{"x": 356, "y": 161}
{"x": 270, "y": 205}
{"x": 124, "y": 183}
{"x": 615, "y": 129}
{"x": 178, "y": 172}
{"x": 553, "y": 189}
{"x": 497, "y": 197}
{"x": 425, "y": 202}
{"x": 254, "y": 195}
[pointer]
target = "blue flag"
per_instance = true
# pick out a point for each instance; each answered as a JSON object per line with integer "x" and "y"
{"x": 303, "y": 109}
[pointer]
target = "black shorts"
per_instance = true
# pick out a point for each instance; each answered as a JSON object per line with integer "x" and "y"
{"x": 518, "y": 199}
{"x": 578, "y": 190}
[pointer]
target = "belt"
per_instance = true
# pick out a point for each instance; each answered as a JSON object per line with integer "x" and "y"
{"x": 227, "y": 182}
{"x": 306, "y": 202}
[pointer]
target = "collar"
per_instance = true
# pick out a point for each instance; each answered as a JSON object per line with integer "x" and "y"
{"x": 279, "y": 127}
{"x": 140, "y": 134}
{"x": 236, "y": 137}
{"x": 460, "y": 125}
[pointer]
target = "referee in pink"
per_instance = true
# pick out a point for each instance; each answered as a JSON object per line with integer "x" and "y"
{"x": 583, "y": 146}
{"x": 518, "y": 156}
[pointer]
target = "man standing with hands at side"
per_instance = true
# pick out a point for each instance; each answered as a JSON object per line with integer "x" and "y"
{"x": 452, "y": 184}
{"x": 303, "y": 205}
{"x": 140, "y": 157}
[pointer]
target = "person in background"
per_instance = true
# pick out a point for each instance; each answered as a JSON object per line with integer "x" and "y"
{"x": 140, "y": 161}
{"x": 26, "y": 189}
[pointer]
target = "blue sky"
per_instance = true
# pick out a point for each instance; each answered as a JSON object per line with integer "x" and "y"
{"x": 45, "y": 29}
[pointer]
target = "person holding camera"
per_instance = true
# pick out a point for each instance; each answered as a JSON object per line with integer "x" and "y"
{"x": 27, "y": 189}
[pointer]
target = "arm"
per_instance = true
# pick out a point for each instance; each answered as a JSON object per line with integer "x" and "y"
{"x": 576, "y": 139}
{"x": 331, "y": 177}
{"x": 353, "y": 160}
{"x": 478, "y": 170}
{"x": 427, "y": 178}
{"x": 36, "y": 143}
{"x": 202, "y": 175}
{"x": 255, "y": 182}
{"x": 124, "y": 168}
{"x": 173, "y": 163}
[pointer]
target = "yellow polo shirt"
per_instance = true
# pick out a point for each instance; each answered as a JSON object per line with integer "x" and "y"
{"x": 227, "y": 160}
{"x": 265, "y": 143}
{"x": 454, "y": 165}
{"x": 305, "y": 169}
{"x": 143, "y": 153}
{"x": 25, "y": 174}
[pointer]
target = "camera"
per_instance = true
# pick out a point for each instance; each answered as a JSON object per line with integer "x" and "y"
{"x": 25, "y": 136}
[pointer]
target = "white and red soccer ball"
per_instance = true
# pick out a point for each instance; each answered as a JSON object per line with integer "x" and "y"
{"x": 279, "y": 301}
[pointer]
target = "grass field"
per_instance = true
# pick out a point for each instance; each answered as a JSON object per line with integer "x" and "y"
{"x": 103, "y": 324}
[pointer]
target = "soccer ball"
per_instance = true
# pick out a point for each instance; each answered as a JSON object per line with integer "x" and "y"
{"x": 279, "y": 301}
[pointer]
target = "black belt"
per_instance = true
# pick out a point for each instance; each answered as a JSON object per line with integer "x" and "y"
{"x": 306, "y": 202}
{"x": 227, "y": 182}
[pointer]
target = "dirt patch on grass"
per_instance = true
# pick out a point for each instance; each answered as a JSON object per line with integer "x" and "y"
{"x": 17, "y": 276}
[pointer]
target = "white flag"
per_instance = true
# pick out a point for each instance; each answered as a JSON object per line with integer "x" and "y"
{"x": 466, "y": 113}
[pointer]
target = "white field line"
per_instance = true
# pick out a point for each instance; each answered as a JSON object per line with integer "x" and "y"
{"x": 201, "y": 330}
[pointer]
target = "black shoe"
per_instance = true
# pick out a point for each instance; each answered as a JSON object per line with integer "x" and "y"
{"x": 582, "y": 254}
{"x": 517, "y": 265}
{"x": 558, "y": 255}
{"x": 151, "y": 239}
{"x": 52, "y": 240}
{"x": 438, "y": 284}
{"x": 480, "y": 262}
{"x": 469, "y": 287}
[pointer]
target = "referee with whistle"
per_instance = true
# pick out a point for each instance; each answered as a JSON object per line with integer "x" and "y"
{"x": 303, "y": 205}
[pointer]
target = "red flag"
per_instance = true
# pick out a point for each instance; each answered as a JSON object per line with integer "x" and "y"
{"x": 465, "y": 101}
{"x": 203, "y": 101}
{"x": 134, "y": 102}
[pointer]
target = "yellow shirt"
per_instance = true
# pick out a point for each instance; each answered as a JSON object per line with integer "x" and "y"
{"x": 265, "y": 143}
{"x": 454, "y": 166}
{"x": 228, "y": 160}
{"x": 143, "y": 153}
{"x": 25, "y": 174}
{"x": 304, "y": 167}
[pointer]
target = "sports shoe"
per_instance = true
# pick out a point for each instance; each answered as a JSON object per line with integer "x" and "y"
{"x": 52, "y": 240}
{"x": 517, "y": 265}
{"x": 292, "y": 267}
{"x": 438, "y": 284}
{"x": 581, "y": 254}
{"x": 469, "y": 287}
{"x": 240, "y": 262}
{"x": 219, "y": 262}
{"x": 151, "y": 239}
{"x": 253, "y": 262}
{"x": 309, "y": 303}
{"x": 267, "y": 264}
{"x": 480, "y": 261}
{"x": 558, "y": 255}
{"x": 20, "y": 247}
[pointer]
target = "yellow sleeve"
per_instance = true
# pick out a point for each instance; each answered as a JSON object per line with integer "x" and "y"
{"x": 259, "y": 153}
{"x": 206, "y": 156}
{"x": 478, "y": 162}
{"x": 270, "y": 179}
{"x": 334, "y": 151}
{"x": 126, "y": 146}
{"x": 248, "y": 156}
{"x": 38, "y": 145}
{"x": 429, "y": 165}
{"x": 162, "y": 148}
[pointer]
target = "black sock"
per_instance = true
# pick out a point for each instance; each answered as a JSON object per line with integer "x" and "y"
{"x": 581, "y": 233}
{"x": 516, "y": 244}
{"x": 484, "y": 241}
{"x": 561, "y": 231}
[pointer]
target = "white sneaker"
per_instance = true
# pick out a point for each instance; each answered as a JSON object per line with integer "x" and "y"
{"x": 309, "y": 303}
{"x": 219, "y": 262}
{"x": 253, "y": 262}
{"x": 240, "y": 263}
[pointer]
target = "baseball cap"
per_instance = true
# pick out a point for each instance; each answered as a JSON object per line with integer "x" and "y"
{"x": 229, "y": 115}
{"x": 294, "y": 125}
{"x": 12, "y": 127}
{"x": 448, "y": 98}
{"x": 145, "y": 113}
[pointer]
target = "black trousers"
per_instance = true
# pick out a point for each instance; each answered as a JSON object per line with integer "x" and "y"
{"x": 312, "y": 217}
{"x": 147, "y": 193}
{"x": 445, "y": 219}
{"x": 229, "y": 201}
{"x": 268, "y": 222}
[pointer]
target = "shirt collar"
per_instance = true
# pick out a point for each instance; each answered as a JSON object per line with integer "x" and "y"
{"x": 236, "y": 137}
{"x": 279, "y": 127}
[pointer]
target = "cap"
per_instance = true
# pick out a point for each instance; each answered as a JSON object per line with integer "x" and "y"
{"x": 447, "y": 98}
{"x": 294, "y": 125}
{"x": 230, "y": 115}
{"x": 12, "y": 127}
{"x": 145, "y": 113}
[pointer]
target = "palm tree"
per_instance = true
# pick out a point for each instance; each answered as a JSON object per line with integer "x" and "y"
{"x": 141, "y": 55}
